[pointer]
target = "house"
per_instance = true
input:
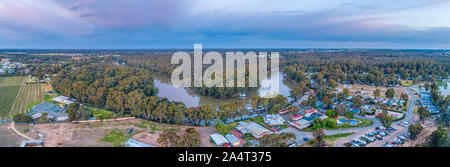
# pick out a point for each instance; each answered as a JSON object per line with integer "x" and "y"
{"x": 218, "y": 139}
{"x": 297, "y": 117}
{"x": 63, "y": 100}
{"x": 300, "y": 124}
{"x": 255, "y": 129}
{"x": 233, "y": 140}
{"x": 284, "y": 110}
{"x": 273, "y": 120}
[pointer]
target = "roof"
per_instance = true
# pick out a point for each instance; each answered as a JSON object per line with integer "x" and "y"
{"x": 52, "y": 110}
{"x": 273, "y": 119}
{"x": 231, "y": 138}
{"x": 297, "y": 117}
{"x": 135, "y": 143}
{"x": 63, "y": 99}
{"x": 218, "y": 139}
{"x": 301, "y": 124}
{"x": 255, "y": 129}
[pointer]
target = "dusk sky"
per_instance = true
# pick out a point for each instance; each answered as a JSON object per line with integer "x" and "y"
{"x": 224, "y": 23}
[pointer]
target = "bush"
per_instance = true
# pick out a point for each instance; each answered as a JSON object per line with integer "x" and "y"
{"x": 22, "y": 117}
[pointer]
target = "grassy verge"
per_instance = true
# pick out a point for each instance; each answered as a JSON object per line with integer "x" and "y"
{"x": 117, "y": 137}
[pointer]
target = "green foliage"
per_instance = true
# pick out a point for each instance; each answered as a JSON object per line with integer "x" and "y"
{"x": 117, "y": 137}
{"x": 385, "y": 119}
{"x": 225, "y": 128}
{"x": 22, "y": 117}
{"x": 415, "y": 130}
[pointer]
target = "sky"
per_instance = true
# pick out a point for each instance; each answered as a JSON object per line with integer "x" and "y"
{"x": 149, "y": 24}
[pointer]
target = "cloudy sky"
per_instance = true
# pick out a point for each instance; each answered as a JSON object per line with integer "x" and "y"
{"x": 225, "y": 23}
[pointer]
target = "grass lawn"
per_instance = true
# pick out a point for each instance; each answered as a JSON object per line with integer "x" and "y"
{"x": 102, "y": 114}
{"x": 259, "y": 120}
{"x": 331, "y": 138}
{"x": 117, "y": 137}
{"x": 225, "y": 128}
{"x": 406, "y": 83}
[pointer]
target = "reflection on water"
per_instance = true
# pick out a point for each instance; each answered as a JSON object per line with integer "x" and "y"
{"x": 445, "y": 89}
{"x": 192, "y": 99}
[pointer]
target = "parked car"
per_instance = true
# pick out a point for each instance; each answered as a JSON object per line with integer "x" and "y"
{"x": 382, "y": 134}
{"x": 398, "y": 141}
{"x": 378, "y": 137}
{"x": 371, "y": 139}
{"x": 393, "y": 129}
{"x": 355, "y": 145}
{"x": 389, "y": 145}
{"x": 371, "y": 134}
{"x": 306, "y": 139}
{"x": 348, "y": 144}
{"x": 402, "y": 138}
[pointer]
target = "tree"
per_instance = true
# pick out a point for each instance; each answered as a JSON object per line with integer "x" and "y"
{"x": 22, "y": 117}
{"x": 390, "y": 93}
{"x": 168, "y": 138}
{"x": 427, "y": 86}
{"x": 326, "y": 101}
{"x": 415, "y": 130}
{"x": 377, "y": 93}
{"x": 404, "y": 96}
{"x": 386, "y": 119}
{"x": 438, "y": 138}
{"x": 423, "y": 113}
{"x": 357, "y": 102}
{"x": 190, "y": 138}
{"x": 319, "y": 137}
{"x": 76, "y": 112}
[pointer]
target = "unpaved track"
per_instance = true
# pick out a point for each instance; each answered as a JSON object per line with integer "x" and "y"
{"x": 17, "y": 132}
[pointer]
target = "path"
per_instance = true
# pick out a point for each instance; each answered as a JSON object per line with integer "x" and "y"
{"x": 20, "y": 134}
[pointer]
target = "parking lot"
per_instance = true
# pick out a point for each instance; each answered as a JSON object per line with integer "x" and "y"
{"x": 380, "y": 137}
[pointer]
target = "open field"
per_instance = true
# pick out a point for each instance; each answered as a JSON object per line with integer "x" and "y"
{"x": 8, "y": 138}
{"x": 406, "y": 83}
{"x": 7, "y": 98}
{"x": 9, "y": 81}
{"x": 107, "y": 134}
{"x": 28, "y": 95}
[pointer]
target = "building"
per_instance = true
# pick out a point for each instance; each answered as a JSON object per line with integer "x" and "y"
{"x": 135, "y": 143}
{"x": 297, "y": 117}
{"x": 218, "y": 139}
{"x": 53, "y": 112}
{"x": 63, "y": 100}
{"x": 273, "y": 120}
{"x": 255, "y": 129}
{"x": 284, "y": 110}
{"x": 300, "y": 124}
{"x": 233, "y": 140}
{"x": 32, "y": 143}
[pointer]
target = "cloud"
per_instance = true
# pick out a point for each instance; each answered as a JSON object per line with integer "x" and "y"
{"x": 175, "y": 23}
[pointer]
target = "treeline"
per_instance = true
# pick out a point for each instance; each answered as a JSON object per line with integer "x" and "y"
{"x": 130, "y": 91}
{"x": 159, "y": 63}
{"x": 381, "y": 68}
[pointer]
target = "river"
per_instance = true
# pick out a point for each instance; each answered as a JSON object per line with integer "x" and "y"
{"x": 193, "y": 99}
